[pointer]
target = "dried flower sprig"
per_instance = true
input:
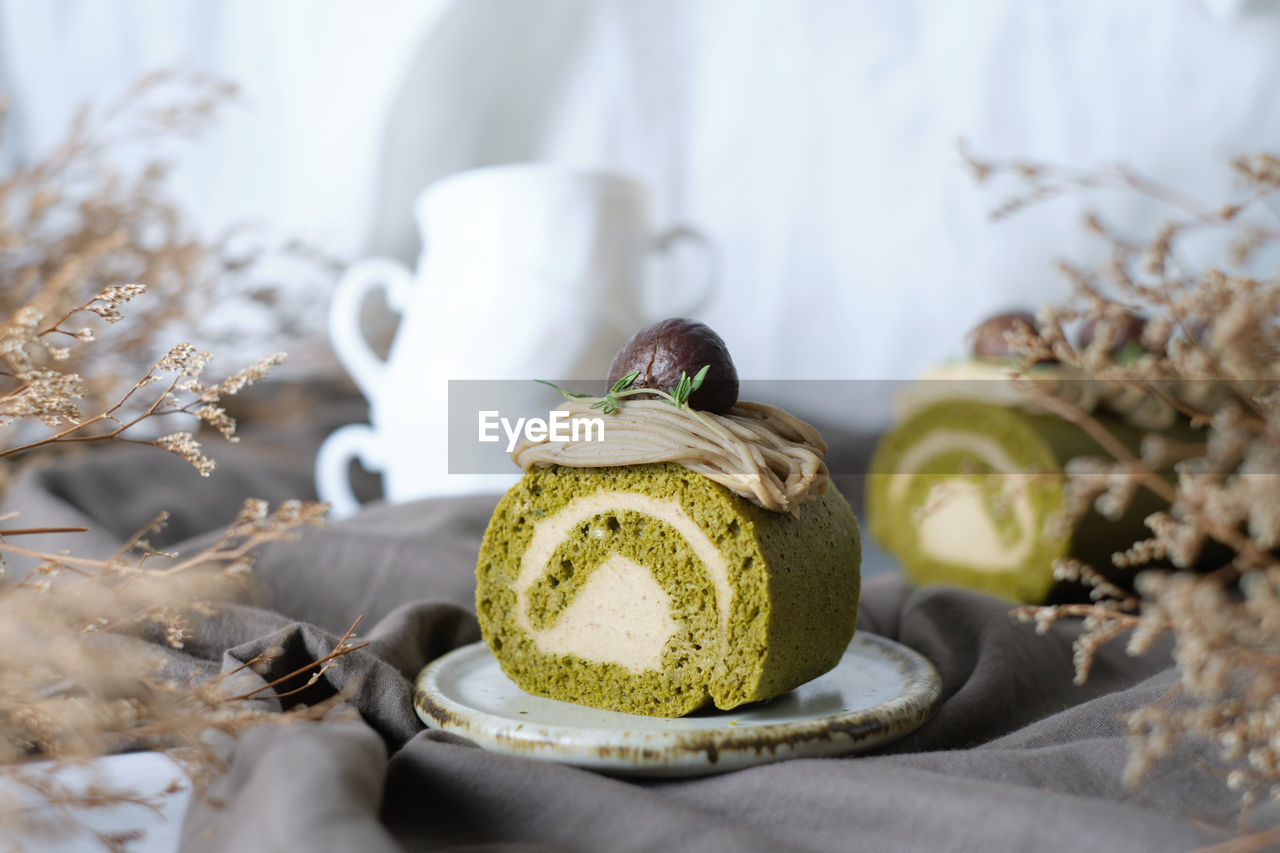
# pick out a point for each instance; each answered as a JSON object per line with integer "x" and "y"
{"x": 76, "y": 222}
{"x": 83, "y": 692}
{"x": 91, "y": 644}
{"x": 52, "y": 397}
{"x": 1210, "y": 351}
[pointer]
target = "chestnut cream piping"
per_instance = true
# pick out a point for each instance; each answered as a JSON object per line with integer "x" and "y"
{"x": 760, "y": 452}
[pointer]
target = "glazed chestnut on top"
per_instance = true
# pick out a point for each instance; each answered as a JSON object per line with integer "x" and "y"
{"x": 662, "y": 351}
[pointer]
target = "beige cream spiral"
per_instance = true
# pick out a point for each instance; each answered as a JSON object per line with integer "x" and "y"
{"x": 760, "y": 452}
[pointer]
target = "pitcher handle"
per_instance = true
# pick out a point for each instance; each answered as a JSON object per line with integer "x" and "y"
{"x": 345, "y": 333}
{"x": 676, "y": 235}
{"x": 333, "y": 474}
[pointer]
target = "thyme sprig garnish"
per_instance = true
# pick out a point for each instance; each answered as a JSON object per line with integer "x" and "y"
{"x": 677, "y": 396}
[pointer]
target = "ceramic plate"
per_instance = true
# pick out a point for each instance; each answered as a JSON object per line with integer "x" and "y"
{"x": 878, "y": 692}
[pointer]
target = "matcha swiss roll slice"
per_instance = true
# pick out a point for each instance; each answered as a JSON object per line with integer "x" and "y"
{"x": 696, "y": 554}
{"x": 972, "y": 493}
{"x": 651, "y": 589}
{"x": 968, "y": 488}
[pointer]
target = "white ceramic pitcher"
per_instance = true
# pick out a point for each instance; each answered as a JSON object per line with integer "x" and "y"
{"x": 526, "y": 270}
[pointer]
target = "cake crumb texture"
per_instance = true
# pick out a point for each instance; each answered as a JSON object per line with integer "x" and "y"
{"x": 790, "y": 583}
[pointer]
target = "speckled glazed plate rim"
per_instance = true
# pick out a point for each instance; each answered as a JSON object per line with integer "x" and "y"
{"x": 653, "y": 746}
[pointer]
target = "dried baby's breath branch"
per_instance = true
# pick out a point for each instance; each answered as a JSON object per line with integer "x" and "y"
{"x": 254, "y": 527}
{"x": 1134, "y": 471}
{"x": 202, "y": 402}
{"x": 28, "y": 531}
{"x": 1209, "y": 350}
{"x": 320, "y": 667}
{"x": 91, "y": 663}
{"x": 77, "y": 224}
{"x": 174, "y": 716}
{"x": 85, "y": 689}
{"x": 1041, "y": 181}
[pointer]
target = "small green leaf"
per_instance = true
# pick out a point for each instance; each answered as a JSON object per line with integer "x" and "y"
{"x": 1130, "y": 352}
{"x": 625, "y": 382}
{"x": 698, "y": 377}
{"x": 678, "y": 390}
{"x": 559, "y": 390}
{"x": 601, "y": 403}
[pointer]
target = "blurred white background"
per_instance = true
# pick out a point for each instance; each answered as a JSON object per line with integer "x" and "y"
{"x": 814, "y": 140}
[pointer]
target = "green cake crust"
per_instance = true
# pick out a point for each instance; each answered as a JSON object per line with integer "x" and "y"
{"x": 936, "y": 446}
{"x": 792, "y": 585}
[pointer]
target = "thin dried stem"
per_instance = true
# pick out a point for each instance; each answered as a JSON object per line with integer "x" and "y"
{"x": 1210, "y": 354}
{"x": 89, "y": 663}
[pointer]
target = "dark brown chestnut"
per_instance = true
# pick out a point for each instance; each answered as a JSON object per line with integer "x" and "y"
{"x": 662, "y": 351}
{"x": 990, "y": 337}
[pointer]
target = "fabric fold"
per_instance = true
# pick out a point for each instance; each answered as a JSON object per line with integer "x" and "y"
{"x": 1015, "y": 755}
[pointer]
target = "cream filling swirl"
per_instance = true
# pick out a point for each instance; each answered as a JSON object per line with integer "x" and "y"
{"x": 954, "y": 526}
{"x": 621, "y": 615}
{"x": 759, "y": 452}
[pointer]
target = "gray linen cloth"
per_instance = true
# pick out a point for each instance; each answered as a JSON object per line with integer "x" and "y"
{"x": 1015, "y": 758}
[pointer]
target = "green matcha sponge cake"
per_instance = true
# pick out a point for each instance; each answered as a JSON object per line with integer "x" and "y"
{"x": 696, "y": 553}
{"x": 651, "y": 589}
{"x": 969, "y": 487}
{"x": 963, "y": 493}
